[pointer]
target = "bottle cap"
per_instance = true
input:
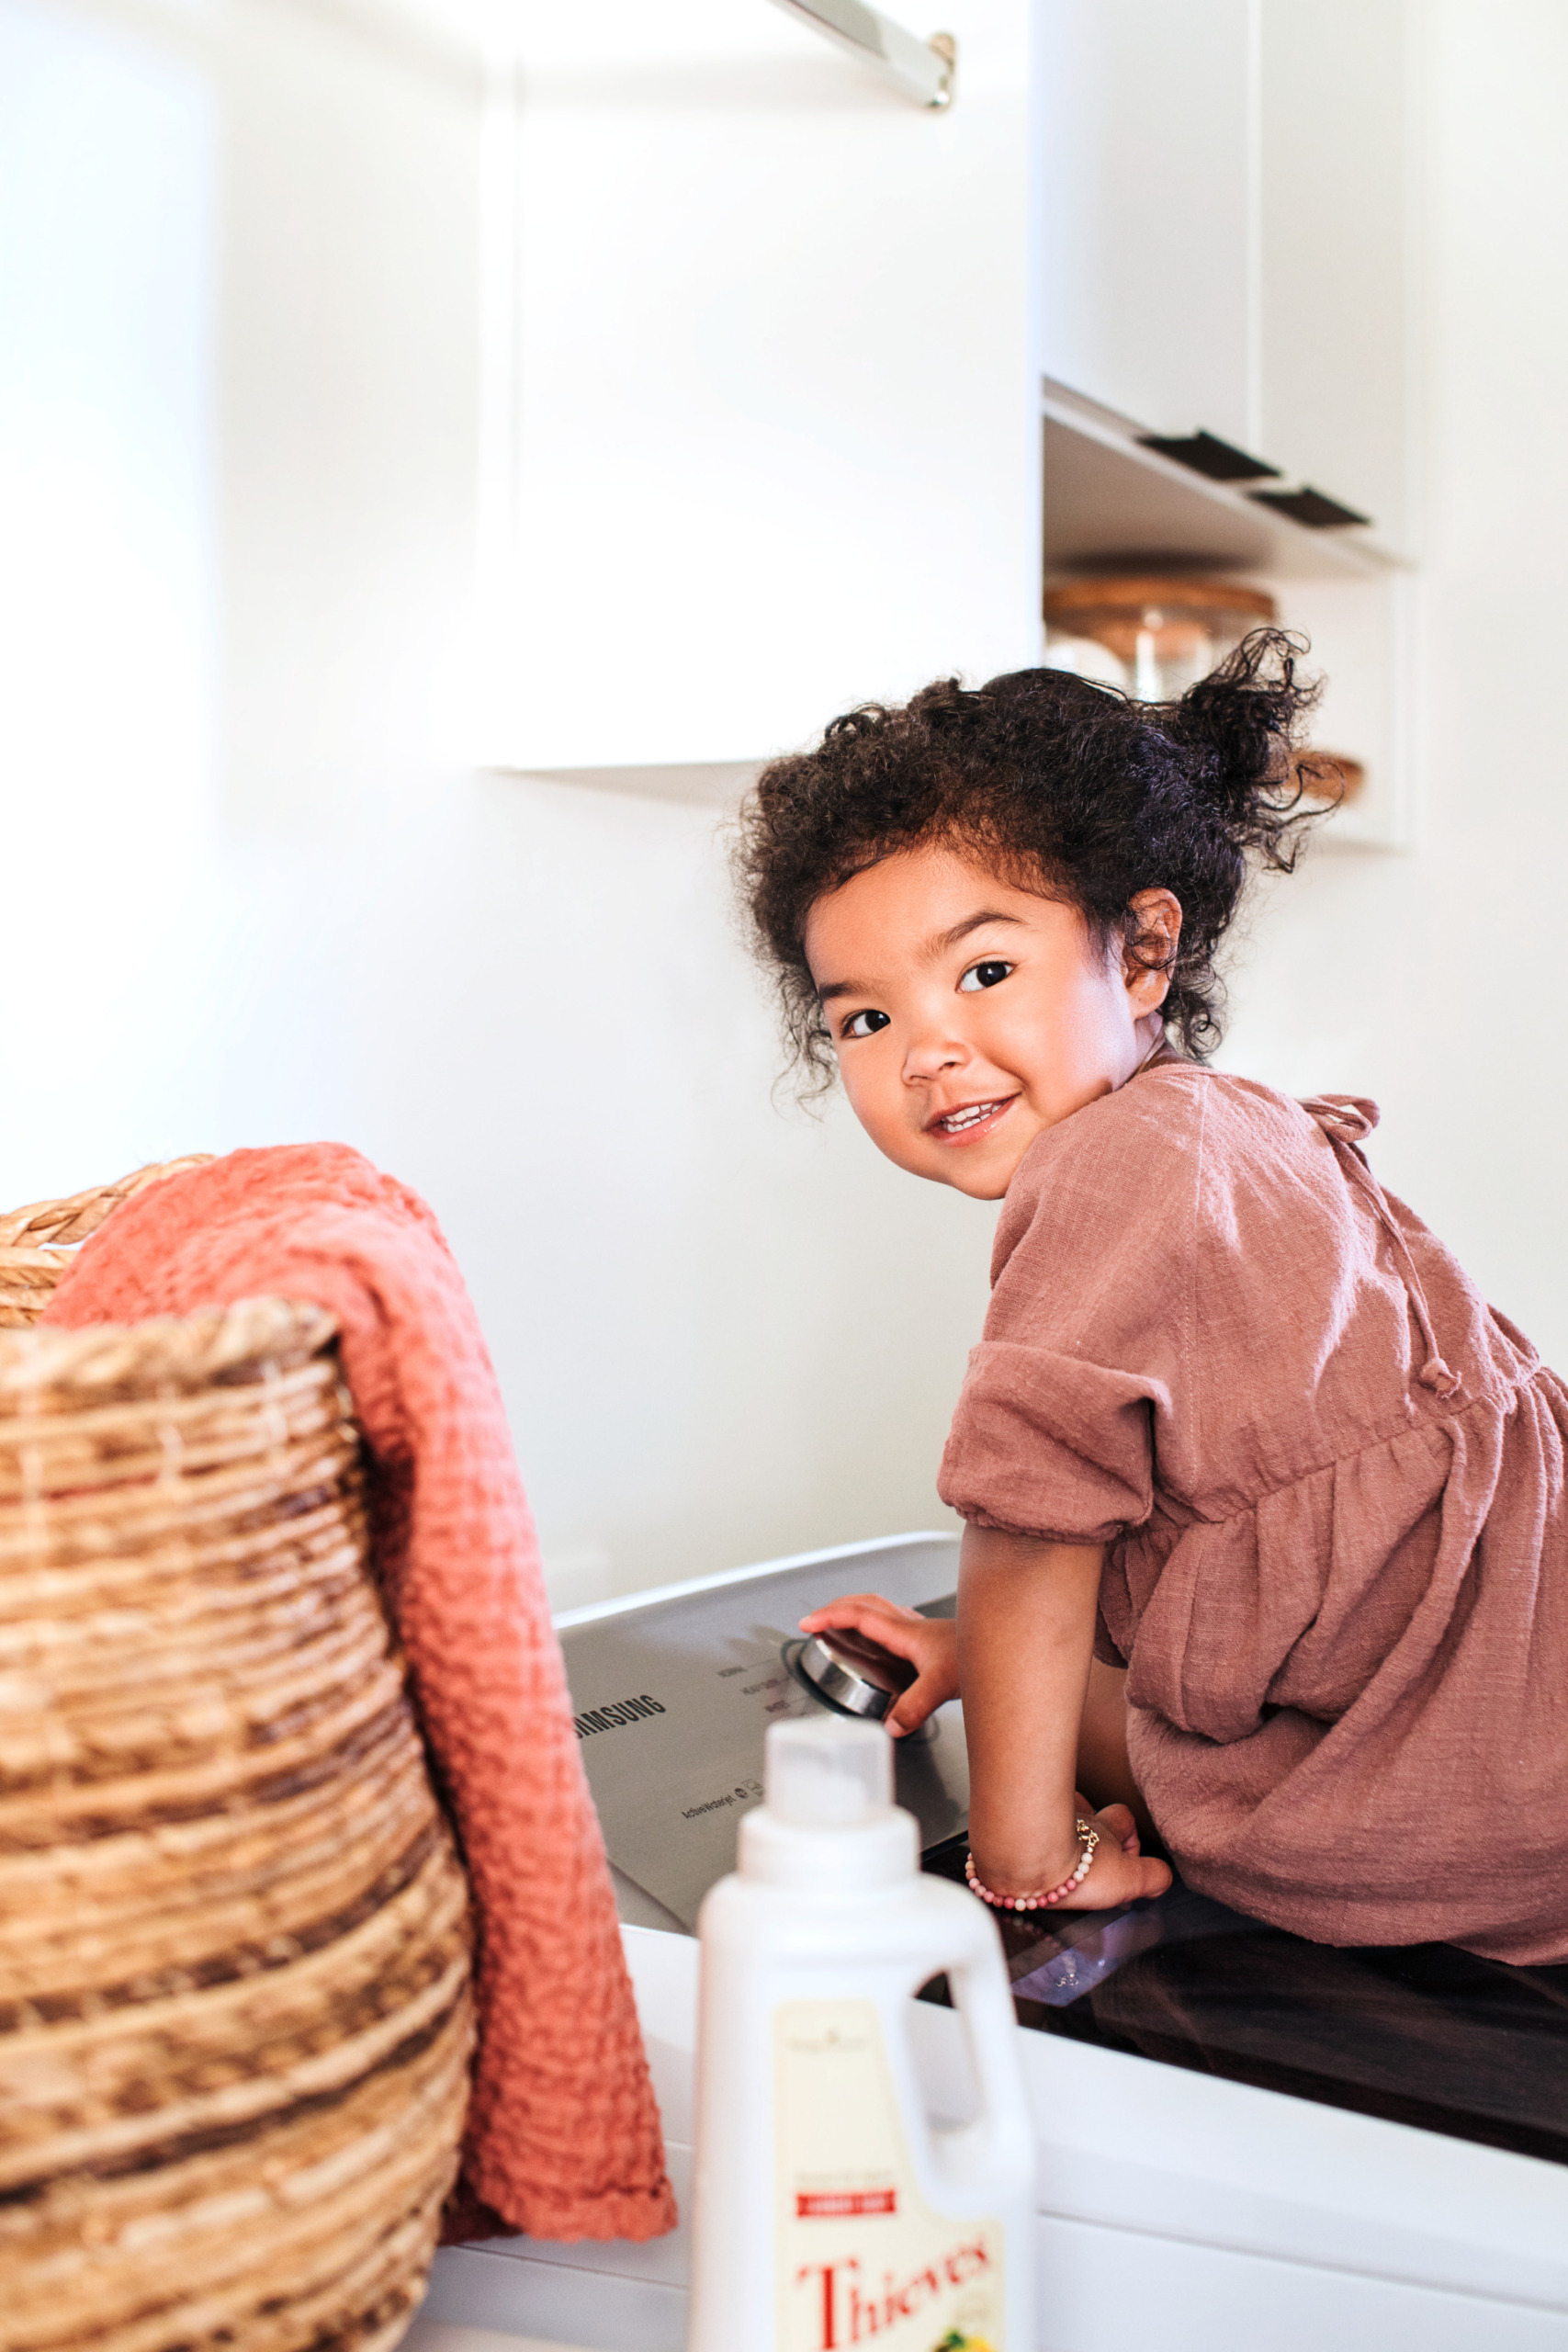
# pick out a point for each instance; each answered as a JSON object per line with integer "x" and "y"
{"x": 825, "y": 1772}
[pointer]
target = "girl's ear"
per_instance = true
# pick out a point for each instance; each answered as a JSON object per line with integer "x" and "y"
{"x": 1148, "y": 957}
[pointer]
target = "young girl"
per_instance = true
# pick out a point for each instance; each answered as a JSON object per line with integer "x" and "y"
{"x": 1267, "y": 1539}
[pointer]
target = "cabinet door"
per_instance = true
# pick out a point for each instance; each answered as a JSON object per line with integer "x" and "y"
{"x": 1145, "y": 186}
{"x": 775, "y": 402}
{"x": 1336, "y": 277}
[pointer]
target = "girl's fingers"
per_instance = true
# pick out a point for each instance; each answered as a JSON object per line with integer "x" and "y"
{"x": 853, "y": 1608}
{"x": 1115, "y": 1878}
{"x": 858, "y": 1600}
{"x": 909, "y": 1710}
{"x": 874, "y": 1617}
{"x": 1119, "y": 1872}
{"x": 1136, "y": 1876}
{"x": 1116, "y": 1821}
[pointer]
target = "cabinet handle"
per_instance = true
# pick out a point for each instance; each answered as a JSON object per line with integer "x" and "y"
{"x": 925, "y": 69}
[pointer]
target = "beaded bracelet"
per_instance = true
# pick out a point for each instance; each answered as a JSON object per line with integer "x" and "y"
{"x": 1088, "y": 1838}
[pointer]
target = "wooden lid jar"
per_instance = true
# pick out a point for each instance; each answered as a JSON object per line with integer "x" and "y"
{"x": 1153, "y": 634}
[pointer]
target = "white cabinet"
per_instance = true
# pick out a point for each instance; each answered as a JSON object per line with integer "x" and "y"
{"x": 1227, "y": 229}
{"x": 1336, "y": 296}
{"x": 767, "y": 339}
{"x": 1147, "y": 191}
{"x": 775, "y": 404}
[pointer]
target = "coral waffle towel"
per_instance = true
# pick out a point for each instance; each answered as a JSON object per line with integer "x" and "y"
{"x": 563, "y": 2137}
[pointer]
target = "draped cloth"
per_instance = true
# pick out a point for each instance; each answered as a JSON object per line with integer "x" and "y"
{"x": 563, "y": 2137}
{"x": 1331, "y": 1484}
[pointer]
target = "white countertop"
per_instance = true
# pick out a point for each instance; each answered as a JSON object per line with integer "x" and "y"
{"x": 1239, "y": 2215}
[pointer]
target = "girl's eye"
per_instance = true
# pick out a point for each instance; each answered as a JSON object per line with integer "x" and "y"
{"x": 864, "y": 1024}
{"x": 984, "y": 975}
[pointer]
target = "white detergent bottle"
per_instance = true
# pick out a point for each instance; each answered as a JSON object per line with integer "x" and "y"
{"x": 830, "y": 2212}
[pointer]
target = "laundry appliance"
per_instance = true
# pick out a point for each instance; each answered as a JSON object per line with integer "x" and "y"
{"x": 1245, "y": 2140}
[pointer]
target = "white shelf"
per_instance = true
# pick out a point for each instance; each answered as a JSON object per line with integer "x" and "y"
{"x": 1109, "y": 498}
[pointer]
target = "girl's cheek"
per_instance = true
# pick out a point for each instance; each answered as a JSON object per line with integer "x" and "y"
{"x": 852, "y": 1080}
{"x": 877, "y": 1101}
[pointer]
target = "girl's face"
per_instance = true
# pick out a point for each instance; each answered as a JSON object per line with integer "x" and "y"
{"x": 969, "y": 1015}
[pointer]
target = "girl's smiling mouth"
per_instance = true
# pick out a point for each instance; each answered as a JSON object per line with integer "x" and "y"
{"x": 970, "y": 1120}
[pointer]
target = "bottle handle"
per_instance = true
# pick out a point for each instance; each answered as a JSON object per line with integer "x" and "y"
{"x": 982, "y": 2001}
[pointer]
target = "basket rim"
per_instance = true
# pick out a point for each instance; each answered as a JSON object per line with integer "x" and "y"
{"x": 249, "y": 1339}
{"x": 58, "y": 1225}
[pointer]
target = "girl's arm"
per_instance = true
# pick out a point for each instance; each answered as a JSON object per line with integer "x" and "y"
{"x": 1026, "y": 1616}
{"x": 1021, "y": 1649}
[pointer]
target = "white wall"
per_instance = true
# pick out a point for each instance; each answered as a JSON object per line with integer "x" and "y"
{"x": 1432, "y": 982}
{"x": 256, "y": 894}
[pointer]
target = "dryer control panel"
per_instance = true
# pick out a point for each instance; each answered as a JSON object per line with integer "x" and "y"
{"x": 673, "y": 1697}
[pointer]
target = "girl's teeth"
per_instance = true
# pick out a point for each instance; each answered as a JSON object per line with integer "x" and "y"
{"x": 968, "y": 1118}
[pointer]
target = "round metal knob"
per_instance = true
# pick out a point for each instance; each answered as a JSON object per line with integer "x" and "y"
{"x": 852, "y": 1673}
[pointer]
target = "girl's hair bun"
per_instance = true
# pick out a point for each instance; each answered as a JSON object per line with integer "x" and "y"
{"x": 1240, "y": 723}
{"x": 1072, "y": 786}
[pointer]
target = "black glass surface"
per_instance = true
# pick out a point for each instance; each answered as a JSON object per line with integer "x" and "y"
{"x": 1418, "y": 2033}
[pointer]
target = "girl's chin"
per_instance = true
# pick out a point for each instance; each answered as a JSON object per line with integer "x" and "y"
{"x": 984, "y": 1174}
{"x": 980, "y": 1160}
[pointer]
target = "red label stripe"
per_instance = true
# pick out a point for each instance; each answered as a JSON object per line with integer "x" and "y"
{"x": 842, "y": 2204}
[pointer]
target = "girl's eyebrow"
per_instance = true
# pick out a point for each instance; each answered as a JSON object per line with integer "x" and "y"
{"x": 947, "y": 939}
{"x": 933, "y": 948}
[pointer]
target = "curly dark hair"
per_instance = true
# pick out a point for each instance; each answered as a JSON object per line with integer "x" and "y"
{"x": 1066, "y": 787}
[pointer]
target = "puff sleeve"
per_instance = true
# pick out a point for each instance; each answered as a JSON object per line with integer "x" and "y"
{"x": 1068, "y": 1402}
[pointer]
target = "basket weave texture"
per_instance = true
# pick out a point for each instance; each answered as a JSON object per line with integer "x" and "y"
{"x": 34, "y": 1241}
{"x": 234, "y": 2009}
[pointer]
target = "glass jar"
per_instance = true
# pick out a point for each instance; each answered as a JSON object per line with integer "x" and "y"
{"x": 1155, "y": 634}
{"x": 1150, "y": 634}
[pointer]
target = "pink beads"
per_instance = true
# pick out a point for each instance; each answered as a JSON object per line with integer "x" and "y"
{"x": 1088, "y": 1838}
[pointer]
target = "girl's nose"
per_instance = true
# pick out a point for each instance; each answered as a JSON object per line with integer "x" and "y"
{"x": 929, "y": 1057}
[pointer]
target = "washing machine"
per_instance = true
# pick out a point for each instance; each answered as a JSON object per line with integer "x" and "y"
{"x": 1245, "y": 2140}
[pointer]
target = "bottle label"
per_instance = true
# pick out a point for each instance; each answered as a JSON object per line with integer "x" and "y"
{"x": 862, "y": 2257}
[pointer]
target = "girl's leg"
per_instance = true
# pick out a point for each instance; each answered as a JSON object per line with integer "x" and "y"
{"x": 1104, "y": 1774}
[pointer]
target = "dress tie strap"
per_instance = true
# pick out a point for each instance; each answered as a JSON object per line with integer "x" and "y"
{"x": 1346, "y": 1119}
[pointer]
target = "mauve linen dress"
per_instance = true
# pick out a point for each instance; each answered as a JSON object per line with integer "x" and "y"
{"x": 1331, "y": 1482}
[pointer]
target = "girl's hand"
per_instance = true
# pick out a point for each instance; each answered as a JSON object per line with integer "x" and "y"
{"x": 1118, "y": 1872}
{"x": 929, "y": 1644}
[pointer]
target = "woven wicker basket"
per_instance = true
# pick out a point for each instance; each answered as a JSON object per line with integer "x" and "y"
{"x": 234, "y": 2014}
{"x": 34, "y": 1241}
